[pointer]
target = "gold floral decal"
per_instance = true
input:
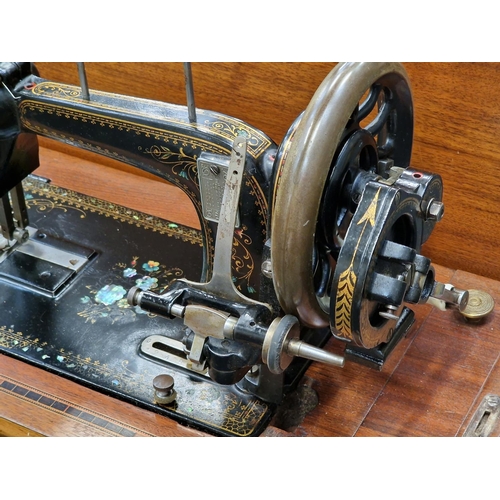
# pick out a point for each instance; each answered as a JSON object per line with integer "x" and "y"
{"x": 57, "y": 90}
{"x": 348, "y": 278}
{"x": 234, "y": 131}
{"x": 56, "y": 197}
{"x": 43, "y": 205}
{"x": 343, "y": 308}
{"x": 243, "y": 265}
{"x": 260, "y": 202}
{"x": 48, "y": 353}
{"x": 182, "y": 164}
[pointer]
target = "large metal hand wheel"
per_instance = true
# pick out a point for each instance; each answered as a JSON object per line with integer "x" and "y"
{"x": 329, "y": 141}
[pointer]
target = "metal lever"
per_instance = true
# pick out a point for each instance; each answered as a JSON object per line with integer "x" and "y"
{"x": 221, "y": 284}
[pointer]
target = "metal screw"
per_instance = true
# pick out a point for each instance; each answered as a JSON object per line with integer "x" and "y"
{"x": 21, "y": 235}
{"x": 164, "y": 389}
{"x": 267, "y": 268}
{"x": 492, "y": 401}
{"x": 389, "y": 312}
{"x": 254, "y": 371}
{"x": 385, "y": 165}
{"x": 215, "y": 169}
{"x": 435, "y": 210}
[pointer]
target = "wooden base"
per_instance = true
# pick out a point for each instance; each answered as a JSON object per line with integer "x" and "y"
{"x": 430, "y": 386}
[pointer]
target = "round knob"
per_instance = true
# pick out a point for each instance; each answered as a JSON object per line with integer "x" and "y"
{"x": 164, "y": 389}
{"x": 479, "y": 305}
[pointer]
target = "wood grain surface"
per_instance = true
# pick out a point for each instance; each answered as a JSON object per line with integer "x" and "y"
{"x": 457, "y": 124}
{"x": 430, "y": 386}
{"x": 36, "y": 402}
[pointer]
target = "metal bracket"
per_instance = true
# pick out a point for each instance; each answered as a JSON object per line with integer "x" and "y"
{"x": 221, "y": 284}
{"x": 484, "y": 422}
{"x": 43, "y": 264}
{"x": 212, "y": 174}
{"x": 376, "y": 357}
{"x": 168, "y": 350}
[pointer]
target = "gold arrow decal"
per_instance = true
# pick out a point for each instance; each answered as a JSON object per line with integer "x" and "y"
{"x": 347, "y": 279}
{"x": 369, "y": 215}
{"x": 343, "y": 304}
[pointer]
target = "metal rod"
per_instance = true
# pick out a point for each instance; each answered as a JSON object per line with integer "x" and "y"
{"x": 298, "y": 348}
{"x": 7, "y": 225}
{"x": 83, "y": 81}
{"x": 190, "y": 92}
{"x": 8, "y": 90}
{"x": 19, "y": 206}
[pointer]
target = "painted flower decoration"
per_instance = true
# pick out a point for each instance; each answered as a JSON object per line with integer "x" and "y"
{"x": 109, "y": 294}
{"x": 129, "y": 272}
{"x": 243, "y": 133}
{"x": 146, "y": 283}
{"x": 151, "y": 266}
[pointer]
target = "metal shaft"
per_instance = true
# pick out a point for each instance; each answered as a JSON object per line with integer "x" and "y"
{"x": 83, "y": 81}
{"x": 19, "y": 206}
{"x": 7, "y": 225}
{"x": 450, "y": 295}
{"x": 190, "y": 92}
{"x": 303, "y": 350}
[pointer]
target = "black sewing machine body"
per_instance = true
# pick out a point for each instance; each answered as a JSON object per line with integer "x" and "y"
{"x": 125, "y": 301}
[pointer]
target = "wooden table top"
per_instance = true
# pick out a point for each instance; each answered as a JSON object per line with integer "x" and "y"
{"x": 430, "y": 386}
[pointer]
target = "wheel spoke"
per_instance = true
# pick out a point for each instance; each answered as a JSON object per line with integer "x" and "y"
{"x": 369, "y": 103}
{"x": 381, "y": 119}
{"x": 322, "y": 275}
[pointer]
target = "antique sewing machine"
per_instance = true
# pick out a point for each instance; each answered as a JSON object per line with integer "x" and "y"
{"x": 318, "y": 236}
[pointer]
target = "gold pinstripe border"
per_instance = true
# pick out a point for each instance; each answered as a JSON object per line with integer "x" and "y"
{"x": 222, "y": 125}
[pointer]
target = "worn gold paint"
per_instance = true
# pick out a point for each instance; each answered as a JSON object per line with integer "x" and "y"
{"x": 215, "y": 123}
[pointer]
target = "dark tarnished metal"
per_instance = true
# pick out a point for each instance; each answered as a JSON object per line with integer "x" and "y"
{"x": 164, "y": 389}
